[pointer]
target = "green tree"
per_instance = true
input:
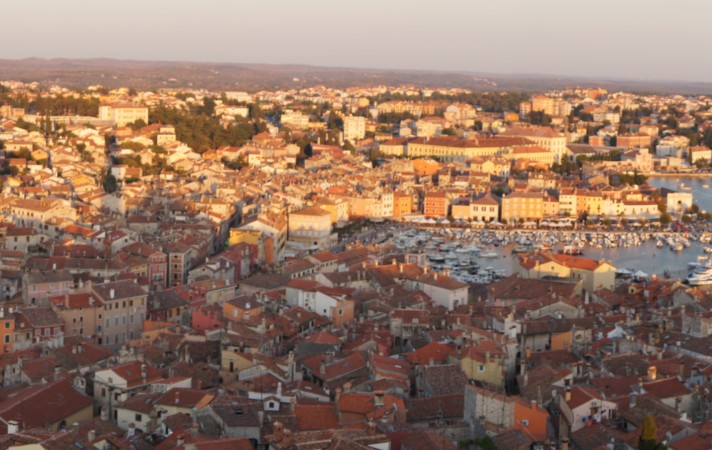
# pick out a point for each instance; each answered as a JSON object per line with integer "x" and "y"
{"x": 131, "y": 145}
{"x": 665, "y": 218}
{"x": 109, "y": 183}
{"x": 137, "y": 125}
{"x": 375, "y": 155}
{"x": 539, "y": 118}
{"x": 255, "y": 112}
{"x": 334, "y": 122}
{"x": 649, "y": 436}
{"x": 707, "y": 137}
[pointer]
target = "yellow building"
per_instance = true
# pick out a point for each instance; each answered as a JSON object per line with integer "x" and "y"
{"x": 484, "y": 363}
{"x": 499, "y": 167}
{"x": 402, "y": 204}
{"x": 337, "y": 208}
{"x": 568, "y": 202}
{"x": 393, "y": 147}
{"x": 551, "y": 206}
{"x": 523, "y": 205}
{"x": 590, "y": 202}
{"x": 544, "y": 104}
{"x": 595, "y": 274}
{"x": 447, "y": 148}
{"x": 238, "y": 236}
{"x": 235, "y": 362}
{"x": 534, "y": 154}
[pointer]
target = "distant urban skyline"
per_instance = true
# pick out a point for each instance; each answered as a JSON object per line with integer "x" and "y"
{"x": 653, "y": 40}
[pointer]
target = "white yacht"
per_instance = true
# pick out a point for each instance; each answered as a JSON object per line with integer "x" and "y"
{"x": 700, "y": 278}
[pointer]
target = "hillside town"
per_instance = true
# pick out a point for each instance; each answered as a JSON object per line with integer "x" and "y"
{"x": 308, "y": 269}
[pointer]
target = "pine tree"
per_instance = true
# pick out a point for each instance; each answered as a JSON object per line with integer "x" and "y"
{"x": 649, "y": 435}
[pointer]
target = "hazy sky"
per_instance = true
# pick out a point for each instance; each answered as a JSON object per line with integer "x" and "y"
{"x": 646, "y": 39}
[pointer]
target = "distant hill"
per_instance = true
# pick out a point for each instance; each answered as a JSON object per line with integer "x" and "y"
{"x": 79, "y": 73}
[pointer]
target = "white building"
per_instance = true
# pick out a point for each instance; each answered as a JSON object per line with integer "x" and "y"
{"x": 354, "y": 128}
{"x": 311, "y": 226}
{"x": 295, "y": 119}
{"x": 123, "y": 114}
{"x": 444, "y": 290}
{"x": 678, "y": 202}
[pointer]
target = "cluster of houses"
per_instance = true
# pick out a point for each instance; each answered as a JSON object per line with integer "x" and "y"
{"x": 198, "y": 306}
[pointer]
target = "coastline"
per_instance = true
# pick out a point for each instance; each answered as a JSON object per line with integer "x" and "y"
{"x": 678, "y": 175}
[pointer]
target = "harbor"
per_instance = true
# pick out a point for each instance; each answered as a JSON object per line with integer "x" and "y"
{"x": 481, "y": 256}
{"x": 474, "y": 253}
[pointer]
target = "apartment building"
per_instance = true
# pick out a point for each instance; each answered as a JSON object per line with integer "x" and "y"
{"x": 545, "y": 137}
{"x": 123, "y": 114}
{"x": 354, "y": 128}
{"x": 523, "y": 205}
{"x": 436, "y": 205}
{"x": 125, "y": 305}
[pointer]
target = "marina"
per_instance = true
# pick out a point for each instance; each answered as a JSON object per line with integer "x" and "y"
{"x": 477, "y": 255}
{"x": 481, "y": 256}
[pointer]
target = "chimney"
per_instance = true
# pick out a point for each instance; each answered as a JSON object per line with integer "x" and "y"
{"x": 322, "y": 368}
{"x": 279, "y": 389}
{"x": 278, "y": 431}
{"x": 143, "y": 373}
{"x": 652, "y": 373}
{"x": 286, "y": 439}
{"x": 112, "y": 293}
{"x": 180, "y": 440}
{"x": 371, "y": 427}
{"x": 91, "y": 436}
{"x": 567, "y": 395}
{"x": 337, "y": 394}
{"x": 177, "y": 400}
{"x": 378, "y": 398}
{"x": 12, "y": 427}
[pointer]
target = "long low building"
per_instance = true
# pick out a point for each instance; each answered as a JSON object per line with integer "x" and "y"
{"x": 447, "y": 148}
